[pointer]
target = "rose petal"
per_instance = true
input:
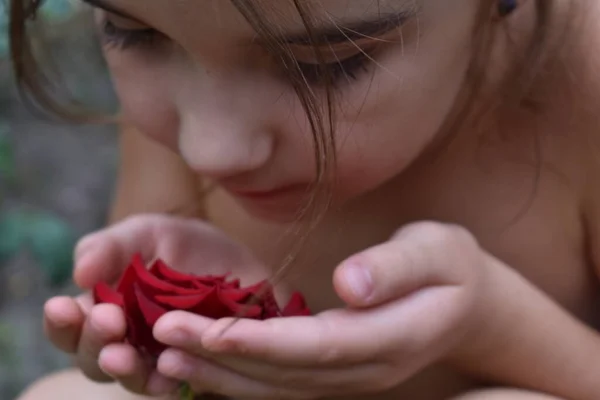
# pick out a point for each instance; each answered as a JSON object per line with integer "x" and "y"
{"x": 243, "y": 308}
{"x": 227, "y": 303}
{"x": 151, "y": 313}
{"x": 182, "y": 302}
{"x": 129, "y": 276}
{"x": 162, "y": 271}
{"x": 259, "y": 288}
{"x": 266, "y": 299}
{"x": 147, "y": 294}
{"x": 296, "y": 306}
{"x": 237, "y": 295}
{"x": 105, "y": 294}
{"x": 150, "y": 310}
{"x": 270, "y": 307}
{"x": 151, "y": 285}
{"x": 212, "y": 281}
{"x": 139, "y": 334}
{"x": 134, "y": 336}
{"x": 234, "y": 284}
{"x": 204, "y": 284}
{"x": 214, "y": 307}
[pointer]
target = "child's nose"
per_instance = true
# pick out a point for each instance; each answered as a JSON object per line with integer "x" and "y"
{"x": 221, "y": 144}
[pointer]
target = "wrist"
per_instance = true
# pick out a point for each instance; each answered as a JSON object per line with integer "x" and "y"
{"x": 517, "y": 336}
{"x": 483, "y": 325}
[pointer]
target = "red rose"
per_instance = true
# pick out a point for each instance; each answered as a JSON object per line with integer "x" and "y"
{"x": 145, "y": 295}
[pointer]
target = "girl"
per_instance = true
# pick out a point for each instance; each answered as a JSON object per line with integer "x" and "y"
{"x": 437, "y": 156}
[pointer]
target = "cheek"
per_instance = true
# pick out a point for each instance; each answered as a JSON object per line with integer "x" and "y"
{"x": 402, "y": 109}
{"x": 144, "y": 94}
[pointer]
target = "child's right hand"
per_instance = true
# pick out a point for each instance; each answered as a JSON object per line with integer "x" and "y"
{"x": 94, "y": 334}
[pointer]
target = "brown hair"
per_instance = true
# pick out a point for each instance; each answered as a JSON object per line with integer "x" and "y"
{"x": 320, "y": 110}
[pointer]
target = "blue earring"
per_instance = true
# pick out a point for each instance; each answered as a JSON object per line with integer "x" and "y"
{"x": 506, "y": 7}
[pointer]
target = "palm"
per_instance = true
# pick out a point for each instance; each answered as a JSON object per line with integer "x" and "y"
{"x": 199, "y": 248}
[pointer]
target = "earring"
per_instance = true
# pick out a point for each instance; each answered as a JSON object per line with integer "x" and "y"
{"x": 506, "y": 7}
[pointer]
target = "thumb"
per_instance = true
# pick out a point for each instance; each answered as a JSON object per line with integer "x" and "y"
{"x": 418, "y": 256}
{"x": 102, "y": 256}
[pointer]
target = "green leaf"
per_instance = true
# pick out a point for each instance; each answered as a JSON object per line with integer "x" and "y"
{"x": 49, "y": 238}
{"x": 52, "y": 242}
{"x": 4, "y": 45}
{"x": 7, "y": 340}
{"x": 13, "y": 231}
{"x": 7, "y": 156}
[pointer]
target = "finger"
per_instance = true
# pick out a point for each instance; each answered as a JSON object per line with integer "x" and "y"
{"x": 160, "y": 385}
{"x": 102, "y": 256}
{"x": 123, "y": 363}
{"x": 104, "y": 325}
{"x": 346, "y": 379}
{"x": 418, "y": 256}
{"x": 63, "y": 321}
{"x": 418, "y": 324}
{"x": 85, "y": 302}
{"x": 330, "y": 339}
{"x": 206, "y": 377}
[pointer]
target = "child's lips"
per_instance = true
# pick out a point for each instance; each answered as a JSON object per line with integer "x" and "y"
{"x": 272, "y": 193}
{"x": 283, "y": 199}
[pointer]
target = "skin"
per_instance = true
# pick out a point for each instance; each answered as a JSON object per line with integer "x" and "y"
{"x": 151, "y": 179}
{"x": 386, "y": 180}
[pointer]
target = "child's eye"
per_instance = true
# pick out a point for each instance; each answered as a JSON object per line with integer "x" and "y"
{"x": 347, "y": 69}
{"x": 126, "y": 38}
{"x": 122, "y": 38}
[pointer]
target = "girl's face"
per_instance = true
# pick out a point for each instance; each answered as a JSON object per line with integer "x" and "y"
{"x": 194, "y": 75}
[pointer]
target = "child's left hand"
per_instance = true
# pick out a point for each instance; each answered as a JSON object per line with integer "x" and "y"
{"x": 411, "y": 302}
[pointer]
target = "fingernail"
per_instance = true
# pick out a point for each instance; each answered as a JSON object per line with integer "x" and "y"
{"x": 159, "y": 385}
{"x": 359, "y": 280}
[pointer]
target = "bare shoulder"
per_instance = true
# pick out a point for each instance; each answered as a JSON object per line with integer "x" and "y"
{"x": 72, "y": 384}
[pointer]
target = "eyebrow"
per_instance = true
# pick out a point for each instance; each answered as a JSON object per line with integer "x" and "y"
{"x": 342, "y": 32}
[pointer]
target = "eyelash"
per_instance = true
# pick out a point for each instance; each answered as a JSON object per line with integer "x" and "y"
{"x": 349, "y": 68}
{"x": 124, "y": 39}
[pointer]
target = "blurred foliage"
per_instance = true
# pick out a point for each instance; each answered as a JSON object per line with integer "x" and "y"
{"x": 45, "y": 197}
{"x": 12, "y": 232}
{"x": 51, "y": 241}
{"x": 7, "y": 356}
{"x": 7, "y": 161}
{"x": 9, "y": 360}
{"x": 52, "y": 10}
{"x": 48, "y": 237}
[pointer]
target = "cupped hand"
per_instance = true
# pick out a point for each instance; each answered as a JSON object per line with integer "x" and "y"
{"x": 410, "y": 303}
{"x": 95, "y": 335}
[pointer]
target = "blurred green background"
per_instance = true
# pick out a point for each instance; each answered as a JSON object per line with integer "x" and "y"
{"x": 55, "y": 185}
